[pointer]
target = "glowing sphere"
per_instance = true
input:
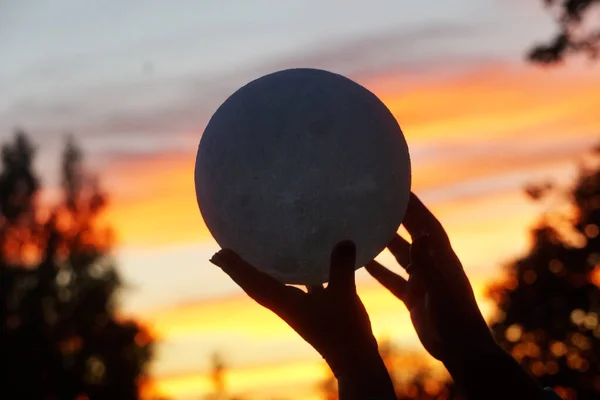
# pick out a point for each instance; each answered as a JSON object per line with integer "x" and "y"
{"x": 296, "y": 161}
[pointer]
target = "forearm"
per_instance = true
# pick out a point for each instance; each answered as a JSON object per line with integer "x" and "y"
{"x": 367, "y": 382}
{"x": 491, "y": 373}
{"x": 365, "y": 378}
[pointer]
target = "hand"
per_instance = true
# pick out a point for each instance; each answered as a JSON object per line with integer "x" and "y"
{"x": 333, "y": 319}
{"x": 437, "y": 293}
{"x": 445, "y": 314}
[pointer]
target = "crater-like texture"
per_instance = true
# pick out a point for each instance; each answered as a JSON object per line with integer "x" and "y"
{"x": 296, "y": 161}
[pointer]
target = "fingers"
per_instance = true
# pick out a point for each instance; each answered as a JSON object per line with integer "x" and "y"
{"x": 314, "y": 288}
{"x": 419, "y": 221}
{"x": 263, "y": 288}
{"x": 393, "y": 282}
{"x": 426, "y": 328}
{"x": 416, "y": 289}
{"x": 341, "y": 272}
{"x": 441, "y": 271}
{"x": 423, "y": 273}
{"x": 400, "y": 249}
{"x": 421, "y": 259}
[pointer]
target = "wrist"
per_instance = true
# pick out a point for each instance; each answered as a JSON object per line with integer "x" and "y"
{"x": 352, "y": 360}
{"x": 471, "y": 354}
{"x": 362, "y": 365}
{"x": 473, "y": 357}
{"x": 365, "y": 378}
{"x": 487, "y": 371}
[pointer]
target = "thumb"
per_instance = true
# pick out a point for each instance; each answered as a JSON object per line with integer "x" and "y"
{"x": 341, "y": 272}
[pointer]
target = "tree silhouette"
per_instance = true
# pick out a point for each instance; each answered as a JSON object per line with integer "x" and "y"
{"x": 61, "y": 337}
{"x": 579, "y": 31}
{"x": 549, "y": 304}
{"x": 218, "y": 370}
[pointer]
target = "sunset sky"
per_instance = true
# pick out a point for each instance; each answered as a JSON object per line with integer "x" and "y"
{"x": 136, "y": 82}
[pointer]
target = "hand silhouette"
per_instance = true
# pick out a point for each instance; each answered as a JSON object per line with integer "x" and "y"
{"x": 333, "y": 319}
{"x": 437, "y": 293}
{"x": 445, "y": 314}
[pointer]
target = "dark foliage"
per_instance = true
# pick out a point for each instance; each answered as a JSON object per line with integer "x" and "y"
{"x": 60, "y": 335}
{"x": 579, "y": 31}
{"x": 549, "y": 306}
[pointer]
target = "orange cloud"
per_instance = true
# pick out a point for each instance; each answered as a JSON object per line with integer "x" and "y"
{"x": 159, "y": 206}
{"x": 246, "y": 318}
{"x": 498, "y": 102}
{"x": 439, "y": 172}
